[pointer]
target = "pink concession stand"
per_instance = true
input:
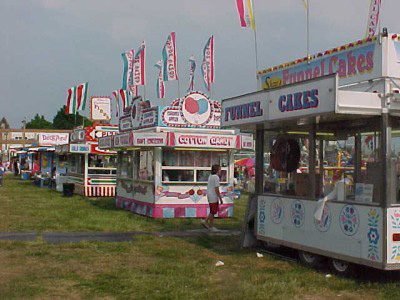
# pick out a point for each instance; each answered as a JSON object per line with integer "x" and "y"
{"x": 165, "y": 154}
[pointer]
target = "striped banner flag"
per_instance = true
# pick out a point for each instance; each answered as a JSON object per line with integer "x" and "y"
{"x": 169, "y": 58}
{"x": 373, "y": 17}
{"x": 116, "y": 96}
{"x": 246, "y": 15}
{"x": 191, "y": 73}
{"x": 160, "y": 89}
{"x": 139, "y": 66}
{"x": 124, "y": 97}
{"x": 134, "y": 90}
{"x": 76, "y": 98}
{"x": 208, "y": 64}
{"x": 127, "y": 59}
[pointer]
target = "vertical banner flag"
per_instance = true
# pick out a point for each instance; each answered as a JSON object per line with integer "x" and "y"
{"x": 139, "y": 65}
{"x": 124, "y": 97}
{"x": 76, "y": 98}
{"x": 134, "y": 90}
{"x": 208, "y": 65}
{"x": 373, "y": 17}
{"x": 127, "y": 59}
{"x": 71, "y": 103}
{"x": 305, "y": 3}
{"x": 192, "y": 67}
{"x": 246, "y": 16}
{"x": 115, "y": 93}
{"x": 169, "y": 58}
{"x": 81, "y": 96}
{"x": 160, "y": 81}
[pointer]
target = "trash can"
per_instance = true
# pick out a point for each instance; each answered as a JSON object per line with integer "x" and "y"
{"x": 68, "y": 189}
{"x": 25, "y": 175}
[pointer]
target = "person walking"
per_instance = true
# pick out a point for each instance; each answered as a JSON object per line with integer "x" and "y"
{"x": 15, "y": 167}
{"x": 213, "y": 197}
{"x": 2, "y": 172}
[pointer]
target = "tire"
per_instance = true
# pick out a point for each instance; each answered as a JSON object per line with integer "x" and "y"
{"x": 309, "y": 259}
{"x": 341, "y": 267}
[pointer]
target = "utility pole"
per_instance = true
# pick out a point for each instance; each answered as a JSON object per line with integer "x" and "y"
{"x": 23, "y": 132}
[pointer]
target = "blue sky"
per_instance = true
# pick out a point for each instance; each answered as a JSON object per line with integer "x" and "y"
{"x": 46, "y": 46}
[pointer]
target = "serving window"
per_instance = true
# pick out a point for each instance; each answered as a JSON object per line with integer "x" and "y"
{"x": 192, "y": 166}
{"x": 76, "y": 163}
{"x": 125, "y": 164}
{"x": 143, "y": 165}
{"x": 102, "y": 164}
{"x": 347, "y": 162}
{"x": 286, "y": 164}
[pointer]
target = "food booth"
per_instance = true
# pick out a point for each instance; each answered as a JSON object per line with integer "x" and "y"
{"x": 329, "y": 127}
{"x": 90, "y": 169}
{"x": 165, "y": 154}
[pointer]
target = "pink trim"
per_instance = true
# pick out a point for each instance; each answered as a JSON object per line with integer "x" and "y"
{"x": 156, "y": 210}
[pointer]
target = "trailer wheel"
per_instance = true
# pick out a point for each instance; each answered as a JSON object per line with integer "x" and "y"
{"x": 309, "y": 259}
{"x": 341, "y": 267}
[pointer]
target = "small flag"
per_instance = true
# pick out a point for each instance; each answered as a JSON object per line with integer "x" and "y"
{"x": 246, "y": 16}
{"x": 76, "y": 98}
{"x": 124, "y": 97}
{"x": 139, "y": 65}
{"x": 191, "y": 73}
{"x": 305, "y": 3}
{"x": 81, "y": 96}
{"x": 134, "y": 90}
{"x": 71, "y": 102}
{"x": 208, "y": 64}
{"x": 169, "y": 58}
{"x": 115, "y": 93}
{"x": 373, "y": 18}
{"x": 127, "y": 59}
{"x": 160, "y": 89}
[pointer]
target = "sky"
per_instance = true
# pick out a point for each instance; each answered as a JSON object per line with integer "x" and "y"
{"x": 47, "y": 46}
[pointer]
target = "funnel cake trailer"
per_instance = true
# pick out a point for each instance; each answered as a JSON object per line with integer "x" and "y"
{"x": 332, "y": 187}
{"x": 165, "y": 155}
{"x": 90, "y": 169}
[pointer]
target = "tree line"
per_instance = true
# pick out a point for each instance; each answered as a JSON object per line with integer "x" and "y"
{"x": 60, "y": 121}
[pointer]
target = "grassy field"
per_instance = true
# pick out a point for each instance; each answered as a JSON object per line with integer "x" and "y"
{"x": 25, "y": 207}
{"x": 150, "y": 267}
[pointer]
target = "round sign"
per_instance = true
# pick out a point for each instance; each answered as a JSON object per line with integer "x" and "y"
{"x": 196, "y": 109}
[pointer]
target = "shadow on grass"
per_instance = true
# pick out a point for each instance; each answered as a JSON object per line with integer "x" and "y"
{"x": 103, "y": 203}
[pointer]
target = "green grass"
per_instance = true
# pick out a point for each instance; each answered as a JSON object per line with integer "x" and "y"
{"x": 25, "y": 207}
{"x": 150, "y": 267}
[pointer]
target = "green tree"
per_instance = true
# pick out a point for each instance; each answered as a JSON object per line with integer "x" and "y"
{"x": 39, "y": 122}
{"x": 63, "y": 121}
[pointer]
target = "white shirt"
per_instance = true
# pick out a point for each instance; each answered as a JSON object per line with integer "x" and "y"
{"x": 213, "y": 182}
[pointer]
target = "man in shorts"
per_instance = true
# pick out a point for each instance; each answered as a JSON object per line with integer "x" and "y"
{"x": 213, "y": 197}
{"x": 2, "y": 172}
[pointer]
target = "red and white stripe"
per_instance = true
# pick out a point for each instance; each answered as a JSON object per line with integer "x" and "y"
{"x": 139, "y": 66}
{"x": 100, "y": 191}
